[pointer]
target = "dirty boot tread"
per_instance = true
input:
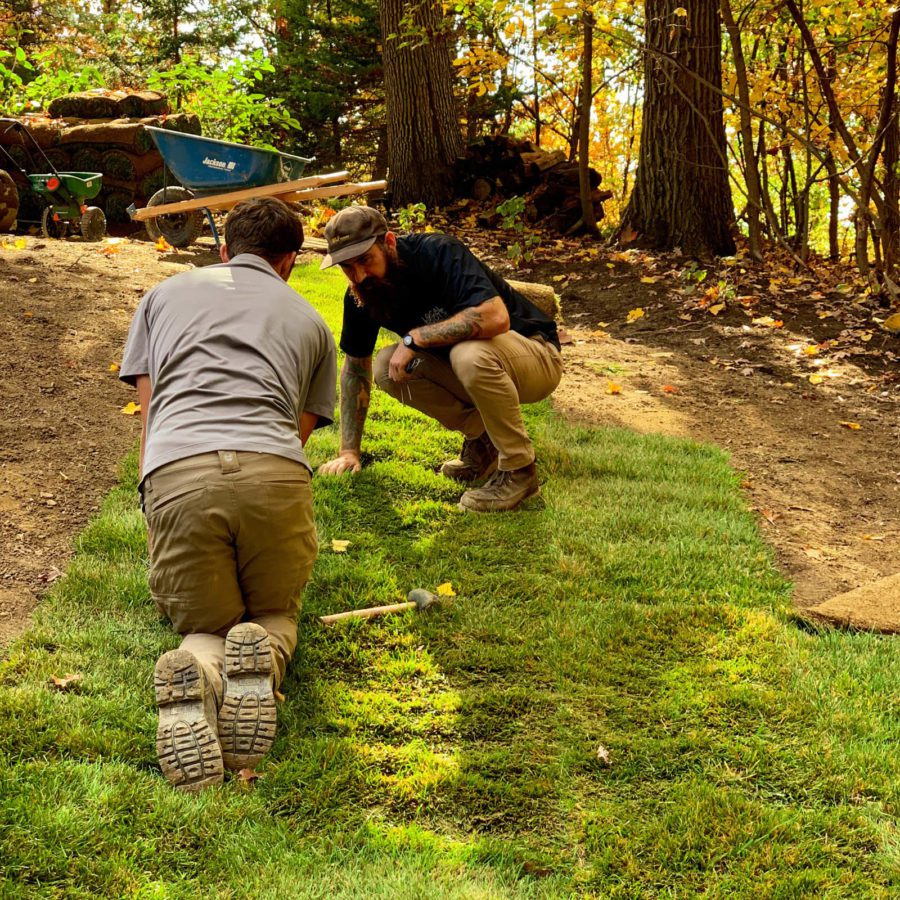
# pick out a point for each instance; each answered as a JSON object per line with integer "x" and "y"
{"x": 186, "y": 741}
{"x": 247, "y": 718}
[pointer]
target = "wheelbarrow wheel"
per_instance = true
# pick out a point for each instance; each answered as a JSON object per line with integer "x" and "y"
{"x": 93, "y": 224}
{"x": 53, "y": 228}
{"x": 179, "y": 229}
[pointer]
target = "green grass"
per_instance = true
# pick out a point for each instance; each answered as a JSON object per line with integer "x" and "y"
{"x": 454, "y": 754}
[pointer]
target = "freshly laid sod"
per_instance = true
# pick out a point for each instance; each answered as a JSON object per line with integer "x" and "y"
{"x": 455, "y": 754}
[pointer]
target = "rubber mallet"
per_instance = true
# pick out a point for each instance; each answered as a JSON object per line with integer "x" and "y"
{"x": 418, "y": 598}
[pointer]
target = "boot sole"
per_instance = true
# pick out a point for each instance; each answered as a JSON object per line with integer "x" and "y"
{"x": 532, "y": 498}
{"x": 247, "y": 717}
{"x": 186, "y": 741}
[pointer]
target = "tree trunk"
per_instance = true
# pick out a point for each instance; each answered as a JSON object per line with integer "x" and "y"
{"x": 423, "y": 127}
{"x": 588, "y": 219}
{"x": 751, "y": 168}
{"x": 681, "y": 196}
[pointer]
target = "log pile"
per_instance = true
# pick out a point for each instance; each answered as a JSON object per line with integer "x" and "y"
{"x": 99, "y": 131}
{"x": 499, "y": 167}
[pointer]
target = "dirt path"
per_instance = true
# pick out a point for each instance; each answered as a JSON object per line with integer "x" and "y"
{"x": 827, "y": 495}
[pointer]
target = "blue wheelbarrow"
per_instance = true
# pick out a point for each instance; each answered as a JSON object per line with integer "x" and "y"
{"x": 217, "y": 175}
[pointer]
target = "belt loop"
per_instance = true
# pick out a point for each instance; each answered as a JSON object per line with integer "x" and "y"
{"x": 228, "y": 462}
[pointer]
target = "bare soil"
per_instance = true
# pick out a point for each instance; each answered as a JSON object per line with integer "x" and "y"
{"x": 826, "y": 493}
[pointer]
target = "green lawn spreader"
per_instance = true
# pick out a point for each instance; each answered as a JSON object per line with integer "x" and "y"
{"x": 65, "y": 194}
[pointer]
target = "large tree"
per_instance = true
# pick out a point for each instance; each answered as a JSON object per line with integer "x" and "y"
{"x": 423, "y": 130}
{"x": 681, "y": 195}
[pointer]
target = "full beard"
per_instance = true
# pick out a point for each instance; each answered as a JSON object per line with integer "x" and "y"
{"x": 382, "y": 298}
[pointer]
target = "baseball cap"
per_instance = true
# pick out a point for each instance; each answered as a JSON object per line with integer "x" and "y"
{"x": 351, "y": 232}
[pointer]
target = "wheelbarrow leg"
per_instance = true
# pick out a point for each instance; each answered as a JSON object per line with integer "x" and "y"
{"x": 212, "y": 228}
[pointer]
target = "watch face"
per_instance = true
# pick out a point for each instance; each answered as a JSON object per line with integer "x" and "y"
{"x": 407, "y": 340}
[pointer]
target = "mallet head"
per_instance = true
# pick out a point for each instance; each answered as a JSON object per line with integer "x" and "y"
{"x": 422, "y": 598}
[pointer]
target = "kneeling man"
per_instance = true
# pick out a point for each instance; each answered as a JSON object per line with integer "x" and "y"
{"x": 472, "y": 350}
{"x": 233, "y": 370}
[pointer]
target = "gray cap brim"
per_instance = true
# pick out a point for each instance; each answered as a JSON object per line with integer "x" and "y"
{"x": 345, "y": 253}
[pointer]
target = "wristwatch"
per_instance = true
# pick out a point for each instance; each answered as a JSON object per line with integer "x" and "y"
{"x": 409, "y": 342}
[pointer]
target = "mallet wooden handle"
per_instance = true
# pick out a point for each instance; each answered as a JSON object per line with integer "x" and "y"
{"x": 369, "y": 613}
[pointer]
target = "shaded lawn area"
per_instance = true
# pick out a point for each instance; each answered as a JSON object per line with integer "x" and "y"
{"x": 455, "y": 754}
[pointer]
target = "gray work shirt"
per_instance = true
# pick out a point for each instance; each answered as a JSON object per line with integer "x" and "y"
{"x": 234, "y": 356}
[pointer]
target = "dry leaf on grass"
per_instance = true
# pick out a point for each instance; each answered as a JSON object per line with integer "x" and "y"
{"x": 603, "y": 755}
{"x": 130, "y": 409}
{"x": 66, "y": 682}
{"x": 339, "y": 546}
{"x": 853, "y": 426}
{"x": 445, "y": 589}
{"x": 634, "y": 315}
{"x": 248, "y": 776}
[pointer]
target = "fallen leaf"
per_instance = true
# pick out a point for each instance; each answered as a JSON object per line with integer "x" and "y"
{"x": 600, "y": 334}
{"x": 679, "y": 11}
{"x": 715, "y": 310}
{"x": 768, "y": 322}
{"x": 559, "y": 278}
{"x": 28, "y": 315}
{"x": 162, "y": 245}
{"x": 339, "y": 546}
{"x": 603, "y": 755}
{"x": 113, "y": 367}
{"x": 278, "y": 696}
{"x": 811, "y": 349}
{"x": 650, "y": 279}
{"x": 634, "y": 315}
{"x": 892, "y": 323}
{"x": 131, "y": 408}
{"x": 32, "y": 280}
{"x": 66, "y": 682}
{"x": 110, "y": 249}
{"x": 613, "y": 388}
{"x": 853, "y": 426}
{"x": 873, "y": 537}
{"x": 816, "y": 378}
{"x": 445, "y": 589}
{"x": 669, "y": 389}
{"x": 248, "y": 776}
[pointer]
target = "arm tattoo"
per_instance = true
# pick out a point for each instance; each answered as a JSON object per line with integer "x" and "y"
{"x": 464, "y": 326}
{"x": 356, "y": 387}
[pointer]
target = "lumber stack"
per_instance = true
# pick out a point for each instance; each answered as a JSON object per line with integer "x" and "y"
{"x": 498, "y": 167}
{"x": 100, "y": 131}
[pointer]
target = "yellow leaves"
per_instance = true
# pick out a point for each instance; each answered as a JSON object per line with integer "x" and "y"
{"x": 113, "y": 246}
{"x": 559, "y": 278}
{"x": 650, "y": 279}
{"x": 892, "y": 324}
{"x": 162, "y": 245}
{"x": 445, "y": 589}
{"x": 17, "y": 244}
{"x": 634, "y": 315}
{"x": 716, "y": 309}
{"x": 339, "y": 546}
{"x": 613, "y": 388}
{"x": 600, "y": 334}
{"x": 852, "y": 426}
{"x": 130, "y": 409}
{"x": 680, "y": 11}
{"x": 816, "y": 378}
{"x": 811, "y": 350}
{"x": 768, "y": 322}
{"x": 113, "y": 367}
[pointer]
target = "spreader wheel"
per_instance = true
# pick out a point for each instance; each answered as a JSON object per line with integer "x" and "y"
{"x": 93, "y": 224}
{"x": 53, "y": 228}
{"x": 179, "y": 229}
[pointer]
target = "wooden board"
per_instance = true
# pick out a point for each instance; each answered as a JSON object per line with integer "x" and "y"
{"x": 232, "y": 198}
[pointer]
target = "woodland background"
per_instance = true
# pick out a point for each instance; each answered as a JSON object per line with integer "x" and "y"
{"x": 775, "y": 121}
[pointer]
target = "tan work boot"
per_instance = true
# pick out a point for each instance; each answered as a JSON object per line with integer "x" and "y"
{"x": 505, "y": 490}
{"x": 477, "y": 460}
{"x": 247, "y": 716}
{"x": 187, "y": 743}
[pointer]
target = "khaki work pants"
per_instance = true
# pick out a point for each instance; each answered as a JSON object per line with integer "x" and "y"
{"x": 232, "y": 539}
{"x": 481, "y": 389}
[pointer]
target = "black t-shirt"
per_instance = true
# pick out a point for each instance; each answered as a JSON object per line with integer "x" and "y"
{"x": 441, "y": 277}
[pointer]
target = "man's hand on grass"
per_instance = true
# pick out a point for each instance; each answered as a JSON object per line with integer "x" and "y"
{"x": 348, "y": 461}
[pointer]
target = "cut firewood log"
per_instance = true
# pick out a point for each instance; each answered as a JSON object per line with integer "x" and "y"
{"x": 540, "y": 161}
{"x": 9, "y": 202}
{"x": 541, "y": 295}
